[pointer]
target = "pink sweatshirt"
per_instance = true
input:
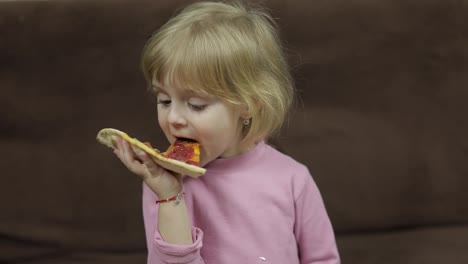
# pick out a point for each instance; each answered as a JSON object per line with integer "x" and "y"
{"x": 259, "y": 207}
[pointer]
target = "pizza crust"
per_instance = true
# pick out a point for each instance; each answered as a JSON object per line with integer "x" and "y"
{"x": 108, "y": 137}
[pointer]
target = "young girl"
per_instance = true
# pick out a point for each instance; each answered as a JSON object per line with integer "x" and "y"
{"x": 221, "y": 79}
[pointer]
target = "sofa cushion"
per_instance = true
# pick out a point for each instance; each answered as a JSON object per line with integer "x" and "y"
{"x": 421, "y": 245}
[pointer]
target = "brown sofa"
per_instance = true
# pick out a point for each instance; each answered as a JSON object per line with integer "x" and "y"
{"x": 381, "y": 123}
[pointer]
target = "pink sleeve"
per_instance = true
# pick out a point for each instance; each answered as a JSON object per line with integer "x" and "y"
{"x": 160, "y": 252}
{"x": 313, "y": 230}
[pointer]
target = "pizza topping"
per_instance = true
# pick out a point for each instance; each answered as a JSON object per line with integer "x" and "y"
{"x": 185, "y": 151}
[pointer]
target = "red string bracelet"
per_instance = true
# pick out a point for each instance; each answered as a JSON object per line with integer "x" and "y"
{"x": 176, "y": 198}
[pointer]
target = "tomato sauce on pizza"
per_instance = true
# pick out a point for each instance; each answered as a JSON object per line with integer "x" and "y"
{"x": 185, "y": 151}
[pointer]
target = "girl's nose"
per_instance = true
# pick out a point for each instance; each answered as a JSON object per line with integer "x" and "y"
{"x": 176, "y": 117}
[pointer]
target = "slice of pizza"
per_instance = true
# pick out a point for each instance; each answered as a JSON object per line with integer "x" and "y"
{"x": 181, "y": 157}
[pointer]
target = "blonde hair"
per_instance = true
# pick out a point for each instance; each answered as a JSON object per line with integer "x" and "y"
{"x": 227, "y": 50}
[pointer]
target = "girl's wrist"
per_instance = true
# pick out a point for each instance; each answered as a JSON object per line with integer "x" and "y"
{"x": 164, "y": 189}
{"x": 176, "y": 198}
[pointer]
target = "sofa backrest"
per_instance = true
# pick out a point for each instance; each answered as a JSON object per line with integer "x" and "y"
{"x": 382, "y": 121}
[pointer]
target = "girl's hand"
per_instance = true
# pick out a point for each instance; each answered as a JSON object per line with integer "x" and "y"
{"x": 164, "y": 184}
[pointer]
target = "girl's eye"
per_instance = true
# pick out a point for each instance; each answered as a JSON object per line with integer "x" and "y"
{"x": 163, "y": 99}
{"x": 164, "y": 102}
{"x": 197, "y": 107}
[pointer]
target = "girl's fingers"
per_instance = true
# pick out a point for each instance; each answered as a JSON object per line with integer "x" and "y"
{"x": 125, "y": 153}
{"x": 139, "y": 161}
{"x": 154, "y": 169}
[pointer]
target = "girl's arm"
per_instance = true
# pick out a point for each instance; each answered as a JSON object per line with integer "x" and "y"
{"x": 170, "y": 235}
{"x": 313, "y": 229}
{"x": 159, "y": 250}
{"x": 173, "y": 223}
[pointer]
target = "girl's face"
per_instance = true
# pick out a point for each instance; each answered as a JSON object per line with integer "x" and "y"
{"x": 213, "y": 123}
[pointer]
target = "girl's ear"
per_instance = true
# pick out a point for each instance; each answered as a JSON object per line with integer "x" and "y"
{"x": 247, "y": 112}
